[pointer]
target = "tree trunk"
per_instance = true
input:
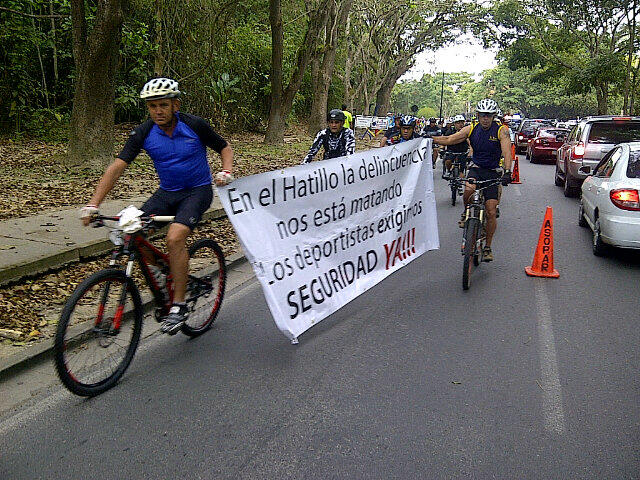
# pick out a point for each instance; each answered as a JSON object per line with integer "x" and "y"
{"x": 53, "y": 45}
{"x": 601, "y": 97}
{"x": 634, "y": 86}
{"x": 158, "y": 58}
{"x": 275, "y": 128}
{"x": 627, "y": 80}
{"x": 383, "y": 97}
{"x": 96, "y": 59}
{"x": 348, "y": 98}
{"x": 316, "y": 64}
{"x": 337, "y": 16}
{"x": 282, "y": 100}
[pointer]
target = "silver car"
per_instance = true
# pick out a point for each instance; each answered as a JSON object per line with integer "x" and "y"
{"x": 590, "y": 140}
{"x": 610, "y": 202}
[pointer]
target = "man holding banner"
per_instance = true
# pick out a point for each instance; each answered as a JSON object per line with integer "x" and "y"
{"x": 331, "y": 231}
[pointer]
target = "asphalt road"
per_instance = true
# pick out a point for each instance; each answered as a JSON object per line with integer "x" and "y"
{"x": 516, "y": 378}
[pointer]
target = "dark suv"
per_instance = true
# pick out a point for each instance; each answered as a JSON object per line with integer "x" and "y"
{"x": 527, "y": 131}
{"x": 590, "y": 140}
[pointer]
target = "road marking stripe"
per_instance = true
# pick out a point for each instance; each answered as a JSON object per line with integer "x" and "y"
{"x": 550, "y": 380}
{"x": 516, "y": 188}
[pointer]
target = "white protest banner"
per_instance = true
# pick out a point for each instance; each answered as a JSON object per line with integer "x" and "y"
{"x": 320, "y": 234}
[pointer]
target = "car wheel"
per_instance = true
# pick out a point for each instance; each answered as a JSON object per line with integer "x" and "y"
{"x": 581, "y": 220}
{"x": 599, "y": 248}
{"x": 558, "y": 180}
{"x": 567, "y": 189}
{"x": 532, "y": 158}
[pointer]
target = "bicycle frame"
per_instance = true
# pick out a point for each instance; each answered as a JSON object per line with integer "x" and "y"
{"x": 475, "y": 206}
{"x": 132, "y": 247}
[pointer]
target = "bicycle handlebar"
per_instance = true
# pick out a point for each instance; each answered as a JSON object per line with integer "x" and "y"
{"x": 473, "y": 181}
{"x": 457, "y": 154}
{"x": 146, "y": 219}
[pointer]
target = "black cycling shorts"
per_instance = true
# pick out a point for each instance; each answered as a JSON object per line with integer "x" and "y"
{"x": 188, "y": 206}
{"x": 491, "y": 192}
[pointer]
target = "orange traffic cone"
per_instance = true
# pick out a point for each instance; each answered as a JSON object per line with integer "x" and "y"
{"x": 542, "y": 265}
{"x": 515, "y": 176}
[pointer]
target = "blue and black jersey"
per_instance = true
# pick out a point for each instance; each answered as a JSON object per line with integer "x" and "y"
{"x": 180, "y": 160}
{"x": 487, "y": 150}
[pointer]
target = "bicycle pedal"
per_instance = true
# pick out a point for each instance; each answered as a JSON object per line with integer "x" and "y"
{"x": 171, "y": 328}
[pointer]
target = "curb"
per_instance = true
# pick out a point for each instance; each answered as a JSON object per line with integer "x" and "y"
{"x": 94, "y": 248}
{"x": 42, "y": 351}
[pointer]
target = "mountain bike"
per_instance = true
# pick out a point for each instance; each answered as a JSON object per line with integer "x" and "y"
{"x": 101, "y": 322}
{"x": 458, "y": 166}
{"x": 474, "y": 232}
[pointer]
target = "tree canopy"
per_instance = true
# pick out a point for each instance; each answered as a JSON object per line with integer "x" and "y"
{"x": 256, "y": 64}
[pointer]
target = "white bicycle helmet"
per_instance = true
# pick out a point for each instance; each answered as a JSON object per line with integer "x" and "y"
{"x": 487, "y": 106}
{"x": 408, "y": 121}
{"x": 459, "y": 118}
{"x": 158, "y": 88}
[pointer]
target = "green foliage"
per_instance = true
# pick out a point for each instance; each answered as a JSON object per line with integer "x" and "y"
{"x": 27, "y": 78}
{"x": 220, "y": 51}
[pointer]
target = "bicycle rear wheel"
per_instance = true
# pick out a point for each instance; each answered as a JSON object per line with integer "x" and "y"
{"x": 470, "y": 235}
{"x": 98, "y": 332}
{"x": 207, "y": 280}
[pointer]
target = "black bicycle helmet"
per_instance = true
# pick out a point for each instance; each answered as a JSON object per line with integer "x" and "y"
{"x": 336, "y": 114}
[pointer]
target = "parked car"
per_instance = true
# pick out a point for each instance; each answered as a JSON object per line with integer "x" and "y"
{"x": 544, "y": 145}
{"x": 610, "y": 203}
{"x": 590, "y": 140}
{"x": 527, "y": 130}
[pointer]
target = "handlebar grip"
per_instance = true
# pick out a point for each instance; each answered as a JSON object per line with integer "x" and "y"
{"x": 163, "y": 218}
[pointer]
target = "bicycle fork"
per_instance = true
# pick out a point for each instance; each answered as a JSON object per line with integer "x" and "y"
{"x": 473, "y": 210}
{"x": 114, "y": 328}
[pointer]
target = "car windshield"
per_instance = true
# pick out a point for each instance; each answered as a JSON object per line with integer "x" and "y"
{"x": 552, "y": 133}
{"x": 633, "y": 168}
{"x": 614, "y": 132}
{"x": 530, "y": 126}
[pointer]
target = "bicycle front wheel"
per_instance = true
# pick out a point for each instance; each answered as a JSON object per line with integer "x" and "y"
{"x": 98, "y": 332}
{"x": 207, "y": 280}
{"x": 470, "y": 235}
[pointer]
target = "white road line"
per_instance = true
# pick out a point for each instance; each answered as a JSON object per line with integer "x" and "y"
{"x": 550, "y": 380}
{"x": 516, "y": 188}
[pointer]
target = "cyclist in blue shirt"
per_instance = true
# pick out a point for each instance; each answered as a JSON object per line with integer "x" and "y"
{"x": 176, "y": 142}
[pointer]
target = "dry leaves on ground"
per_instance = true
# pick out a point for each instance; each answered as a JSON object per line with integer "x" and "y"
{"x": 35, "y": 181}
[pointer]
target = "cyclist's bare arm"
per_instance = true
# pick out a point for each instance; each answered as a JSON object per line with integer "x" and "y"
{"x": 106, "y": 183}
{"x": 108, "y": 180}
{"x": 505, "y": 146}
{"x": 457, "y": 137}
{"x": 226, "y": 154}
{"x": 383, "y": 141}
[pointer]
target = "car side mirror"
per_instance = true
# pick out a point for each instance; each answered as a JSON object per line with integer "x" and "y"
{"x": 586, "y": 169}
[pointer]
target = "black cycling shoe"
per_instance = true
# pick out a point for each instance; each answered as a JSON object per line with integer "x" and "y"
{"x": 173, "y": 322}
{"x": 498, "y": 212}
{"x": 487, "y": 254}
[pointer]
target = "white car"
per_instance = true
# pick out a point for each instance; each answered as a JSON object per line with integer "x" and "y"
{"x": 609, "y": 202}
